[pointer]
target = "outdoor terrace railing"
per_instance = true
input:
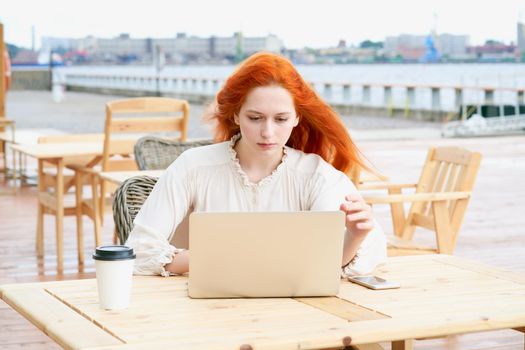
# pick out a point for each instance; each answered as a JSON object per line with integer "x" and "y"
{"x": 406, "y": 97}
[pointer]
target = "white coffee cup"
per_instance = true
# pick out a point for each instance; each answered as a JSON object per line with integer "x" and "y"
{"x": 114, "y": 270}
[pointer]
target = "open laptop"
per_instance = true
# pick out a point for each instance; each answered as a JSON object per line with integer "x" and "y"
{"x": 265, "y": 254}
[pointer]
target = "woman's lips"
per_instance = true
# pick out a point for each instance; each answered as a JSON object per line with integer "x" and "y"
{"x": 266, "y": 145}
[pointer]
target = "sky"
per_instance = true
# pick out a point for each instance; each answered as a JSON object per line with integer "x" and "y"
{"x": 299, "y": 23}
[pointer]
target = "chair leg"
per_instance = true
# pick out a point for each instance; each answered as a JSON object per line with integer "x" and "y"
{"x": 96, "y": 212}
{"x": 40, "y": 215}
{"x": 59, "y": 218}
{"x": 407, "y": 344}
{"x": 444, "y": 235}
{"x": 102, "y": 200}
{"x": 40, "y": 232}
{"x": 115, "y": 237}
{"x": 78, "y": 212}
{"x": 398, "y": 214}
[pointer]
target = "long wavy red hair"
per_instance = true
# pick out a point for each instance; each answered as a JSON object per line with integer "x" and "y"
{"x": 320, "y": 130}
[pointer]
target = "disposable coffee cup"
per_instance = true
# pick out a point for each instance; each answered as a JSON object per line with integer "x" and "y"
{"x": 114, "y": 270}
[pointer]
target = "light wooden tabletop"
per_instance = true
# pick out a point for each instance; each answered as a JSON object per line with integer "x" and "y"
{"x": 60, "y": 150}
{"x": 119, "y": 177}
{"x": 439, "y": 295}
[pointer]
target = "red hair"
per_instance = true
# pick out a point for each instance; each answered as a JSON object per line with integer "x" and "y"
{"x": 320, "y": 130}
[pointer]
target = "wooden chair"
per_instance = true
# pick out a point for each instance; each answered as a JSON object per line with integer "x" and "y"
{"x": 142, "y": 115}
{"x": 438, "y": 204}
{"x": 48, "y": 181}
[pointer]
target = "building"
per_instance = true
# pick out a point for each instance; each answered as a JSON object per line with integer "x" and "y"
{"x": 414, "y": 47}
{"x": 521, "y": 40}
{"x": 452, "y": 45}
{"x": 494, "y": 52}
{"x": 179, "y": 49}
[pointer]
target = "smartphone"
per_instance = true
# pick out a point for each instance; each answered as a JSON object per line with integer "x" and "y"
{"x": 374, "y": 282}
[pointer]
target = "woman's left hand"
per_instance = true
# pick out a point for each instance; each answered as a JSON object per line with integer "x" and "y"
{"x": 359, "y": 220}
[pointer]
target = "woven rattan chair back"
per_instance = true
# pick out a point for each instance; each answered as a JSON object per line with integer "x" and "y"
{"x": 154, "y": 153}
{"x": 129, "y": 197}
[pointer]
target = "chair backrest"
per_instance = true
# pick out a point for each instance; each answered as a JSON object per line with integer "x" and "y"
{"x": 154, "y": 153}
{"x": 128, "y": 200}
{"x": 447, "y": 169}
{"x": 139, "y": 116}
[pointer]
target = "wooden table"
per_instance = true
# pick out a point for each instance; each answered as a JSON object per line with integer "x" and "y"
{"x": 118, "y": 177}
{"x": 439, "y": 295}
{"x": 55, "y": 153}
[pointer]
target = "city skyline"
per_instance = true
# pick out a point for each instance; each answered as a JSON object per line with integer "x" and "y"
{"x": 316, "y": 26}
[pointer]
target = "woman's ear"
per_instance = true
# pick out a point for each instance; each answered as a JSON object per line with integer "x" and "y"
{"x": 236, "y": 119}
{"x": 296, "y": 122}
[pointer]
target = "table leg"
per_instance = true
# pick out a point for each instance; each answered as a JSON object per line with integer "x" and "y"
{"x": 60, "y": 215}
{"x": 522, "y": 330}
{"x": 407, "y": 344}
{"x": 40, "y": 215}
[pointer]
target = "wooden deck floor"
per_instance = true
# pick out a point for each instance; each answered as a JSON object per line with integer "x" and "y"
{"x": 493, "y": 232}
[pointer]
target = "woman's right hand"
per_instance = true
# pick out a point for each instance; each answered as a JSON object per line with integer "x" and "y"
{"x": 180, "y": 263}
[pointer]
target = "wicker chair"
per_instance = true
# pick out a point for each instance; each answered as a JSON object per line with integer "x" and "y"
{"x": 154, "y": 153}
{"x": 129, "y": 197}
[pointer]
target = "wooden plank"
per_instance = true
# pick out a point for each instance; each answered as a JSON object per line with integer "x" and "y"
{"x": 53, "y": 150}
{"x": 148, "y": 104}
{"x": 454, "y": 155}
{"x": 117, "y": 177}
{"x": 385, "y": 186}
{"x": 444, "y": 234}
{"x": 121, "y": 165}
{"x": 71, "y": 138}
{"x": 398, "y": 213}
{"x": 415, "y": 197}
{"x": 55, "y": 319}
{"x": 146, "y": 125}
{"x": 426, "y": 221}
{"x": 342, "y": 308}
{"x": 440, "y": 182}
{"x": 121, "y": 146}
{"x": 481, "y": 268}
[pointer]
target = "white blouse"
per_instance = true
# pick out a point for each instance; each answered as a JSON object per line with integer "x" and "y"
{"x": 210, "y": 178}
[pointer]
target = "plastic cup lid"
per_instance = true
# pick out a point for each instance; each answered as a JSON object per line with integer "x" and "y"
{"x": 113, "y": 252}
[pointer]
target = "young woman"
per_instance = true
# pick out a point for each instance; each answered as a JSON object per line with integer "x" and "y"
{"x": 280, "y": 148}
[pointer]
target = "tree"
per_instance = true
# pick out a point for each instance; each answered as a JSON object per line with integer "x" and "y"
{"x": 368, "y": 44}
{"x": 493, "y": 42}
{"x": 13, "y": 50}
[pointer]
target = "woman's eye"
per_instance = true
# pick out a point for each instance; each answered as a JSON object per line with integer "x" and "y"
{"x": 281, "y": 120}
{"x": 254, "y": 118}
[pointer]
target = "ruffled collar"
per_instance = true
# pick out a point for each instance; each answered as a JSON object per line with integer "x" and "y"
{"x": 237, "y": 165}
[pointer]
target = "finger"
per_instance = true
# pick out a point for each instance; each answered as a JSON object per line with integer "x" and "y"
{"x": 366, "y": 225}
{"x": 359, "y": 216}
{"x": 357, "y": 206}
{"x": 354, "y": 198}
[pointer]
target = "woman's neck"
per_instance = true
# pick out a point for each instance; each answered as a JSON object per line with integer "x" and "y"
{"x": 256, "y": 166}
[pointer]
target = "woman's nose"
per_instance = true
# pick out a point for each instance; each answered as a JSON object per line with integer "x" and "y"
{"x": 267, "y": 129}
